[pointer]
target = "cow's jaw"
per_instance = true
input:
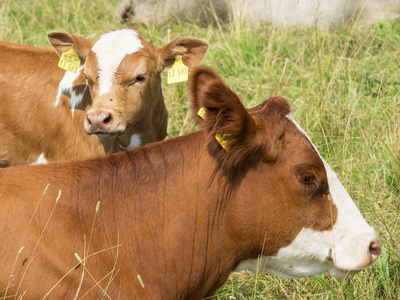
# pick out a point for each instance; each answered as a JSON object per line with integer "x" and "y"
{"x": 350, "y": 246}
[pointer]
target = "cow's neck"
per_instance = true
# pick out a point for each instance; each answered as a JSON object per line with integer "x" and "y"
{"x": 72, "y": 141}
{"x": 188, "y": 218}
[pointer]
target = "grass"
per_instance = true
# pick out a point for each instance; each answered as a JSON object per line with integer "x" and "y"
{"x": 344, "y": 88}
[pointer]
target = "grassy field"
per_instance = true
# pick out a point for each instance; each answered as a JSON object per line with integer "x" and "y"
{"x": 344, "y": 88}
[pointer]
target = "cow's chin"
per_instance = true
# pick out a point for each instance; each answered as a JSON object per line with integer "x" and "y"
{"x": 107, "y": 135}
{"x": 287, "y": 269}
{"x": 334, "y": 272}
{"x": 110, "y": 133}
{"x": 338, "y": 273}
{"x": 291, "y": 269}
{"x": 297, "y": 273}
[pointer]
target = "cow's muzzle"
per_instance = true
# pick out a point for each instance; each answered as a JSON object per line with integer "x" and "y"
{"x": 101, "y": 123}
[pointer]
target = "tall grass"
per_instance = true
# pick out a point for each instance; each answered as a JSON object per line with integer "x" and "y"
{"x": 344, "y": 88}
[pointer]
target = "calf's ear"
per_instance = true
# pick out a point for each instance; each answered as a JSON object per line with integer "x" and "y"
{"x": 192, "y": 52}
{"x": 62, "y": 41}
{"x": 230, "y": 128}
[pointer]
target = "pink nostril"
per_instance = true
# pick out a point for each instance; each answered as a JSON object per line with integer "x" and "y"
{"x": 374, "y": 250}
{"x": 107, "y": 118}
{"x": 99, "y": 121}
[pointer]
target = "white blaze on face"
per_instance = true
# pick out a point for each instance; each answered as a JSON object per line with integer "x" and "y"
{"x": 110, "y": 50}
{"x": 337, "y": 251}
{"x": 66, "y": 87}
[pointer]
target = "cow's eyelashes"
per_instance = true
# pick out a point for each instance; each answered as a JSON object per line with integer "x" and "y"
{"x": 308, "y": 179}
{"x": 307, "y": 175}
{"x": 139, "y": 79}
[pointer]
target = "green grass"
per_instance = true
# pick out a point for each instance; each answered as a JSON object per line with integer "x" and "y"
{"x": 344, "y": 88}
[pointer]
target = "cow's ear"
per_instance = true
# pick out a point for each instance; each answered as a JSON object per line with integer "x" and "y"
{"x": 230, "y": 128}
{"x": 192, "y": 52}
{"x": 62, "y": 41}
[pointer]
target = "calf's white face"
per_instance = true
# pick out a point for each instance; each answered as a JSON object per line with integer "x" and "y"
{"x": 349, "y": 246}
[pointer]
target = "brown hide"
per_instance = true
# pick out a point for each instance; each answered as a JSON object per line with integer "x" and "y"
{"x": 29, "y": 123}
{"x": 181, "y": 213}
{"x": 34, "y": 122}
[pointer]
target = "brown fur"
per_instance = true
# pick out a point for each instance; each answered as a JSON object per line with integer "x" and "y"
{"x": 164, "y": 204}
{"x": 31, "y": 124}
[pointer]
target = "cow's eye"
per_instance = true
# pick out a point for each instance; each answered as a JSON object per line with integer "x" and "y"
{"x": 140, "y": 78}
{"x": 308, "y": 180}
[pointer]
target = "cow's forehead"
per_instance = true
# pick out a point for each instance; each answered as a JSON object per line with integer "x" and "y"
{"x": 110, "y": 50}
{"x": 290, "y": 117}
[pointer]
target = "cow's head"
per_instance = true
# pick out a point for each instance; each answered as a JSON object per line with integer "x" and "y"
{"x": 123, "y": 74}
{"x": 286, "y": 200}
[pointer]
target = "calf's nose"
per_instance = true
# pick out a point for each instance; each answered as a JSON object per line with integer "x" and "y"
{"x": 98, "y": 122}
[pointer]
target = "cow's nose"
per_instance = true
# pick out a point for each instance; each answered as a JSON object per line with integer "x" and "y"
{"x": 374, "y": 250}
{"x": 99, "y": 121}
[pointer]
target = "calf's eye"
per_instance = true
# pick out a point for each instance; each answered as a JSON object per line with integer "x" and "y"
{"x": 139, "y": 78}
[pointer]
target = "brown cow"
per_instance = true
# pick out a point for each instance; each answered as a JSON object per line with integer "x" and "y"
{"x": 115, "y": 95}
{"x": 182, "y": 213}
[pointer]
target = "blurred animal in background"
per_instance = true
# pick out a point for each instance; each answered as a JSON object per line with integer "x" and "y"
{"x": 111, "y": 101}
{"x": 277, "y": 12}
{"x": 158, "y": 12}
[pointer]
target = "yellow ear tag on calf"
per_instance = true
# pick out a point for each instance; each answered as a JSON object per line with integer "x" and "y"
{"x": 178, "y": 72}
{"x": 202, "y": 113}
{"x": 70, "y": 61}
{"x": 223, "y": 139}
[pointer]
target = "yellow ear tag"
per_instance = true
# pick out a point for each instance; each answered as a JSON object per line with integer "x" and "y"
{"x": 202, "y": 113}
{"x": 223, "y": 139}
{"x": 178, "y": 72}
{"x": 70, "y": 61}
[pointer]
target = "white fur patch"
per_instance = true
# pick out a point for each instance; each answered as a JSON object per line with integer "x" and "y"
{"x": 136, "y": 141}
{"x": 110, "y": 50}
{"x": 40, "y": 161}
{"x": 65, "y": 87}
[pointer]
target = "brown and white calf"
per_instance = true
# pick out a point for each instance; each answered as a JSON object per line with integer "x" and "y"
{"x": 46, "y": 113}
{"x": 182, "y": 213}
